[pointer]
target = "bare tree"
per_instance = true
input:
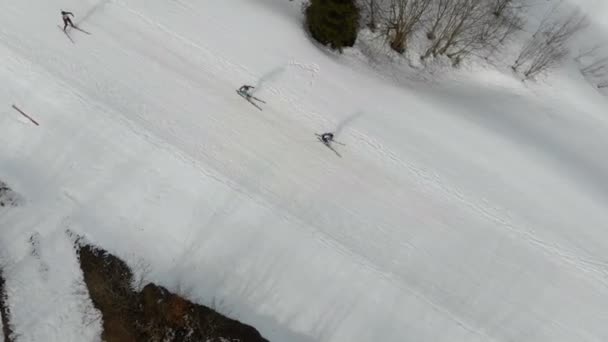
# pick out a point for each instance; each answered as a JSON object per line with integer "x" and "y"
{"x": 372, "y": 9}
{"x": 548, "y": 46}
{"x": 455, "y": 28}
{"x": 439, "y": 11}
{"x": 596, "y": 69}
{"x": 401, "y": 20}
{"x": 593, "y": 64}
{"x": 502, "y": 7}
{"x": 505, "y": 20}
{"x": 508, "y": 13}
{"x": 458, "y": 28}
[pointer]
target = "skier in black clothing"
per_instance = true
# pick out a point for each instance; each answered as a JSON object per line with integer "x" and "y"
{"x": 328, "y": 140}
{"x": 327, "y": 137}
{"x": 245, "y": 90}
{"x": 66, "y": 19}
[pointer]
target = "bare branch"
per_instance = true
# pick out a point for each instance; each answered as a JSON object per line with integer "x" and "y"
{"x": 458, "y": 28}
{"x": 401, "y": 20}
{"x": 548, "y": 46}
{"x": 371, "y": 10}
{"x": 593, "y": 65}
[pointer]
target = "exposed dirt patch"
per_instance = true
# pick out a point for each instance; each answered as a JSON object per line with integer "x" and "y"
{"x": 154, "y": 314}
{"x": 5, "y": 312}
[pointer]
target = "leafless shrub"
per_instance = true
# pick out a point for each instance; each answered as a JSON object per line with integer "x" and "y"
{"x": 593, "y": 64}
{"x": 457, "y": 28}
{"x": 548, "y": 46}
{"x": 503, "y": 7}
{"x": 371, "y": 10}
{"x": 438, "y": 13}
{"x": 401, "y": 19}
{"x": 508, "y": 14}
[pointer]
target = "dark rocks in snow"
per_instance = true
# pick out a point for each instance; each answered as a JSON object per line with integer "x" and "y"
{"x": 154, "y": 314}
{"x": 8, "y": 198}
{"x": 5, "y": 312}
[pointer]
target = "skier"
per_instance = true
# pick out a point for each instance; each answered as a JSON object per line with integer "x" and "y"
{"x": 66, "y": 19}
{"x": 327, "y": 138}
{"x": 244, "y": 90}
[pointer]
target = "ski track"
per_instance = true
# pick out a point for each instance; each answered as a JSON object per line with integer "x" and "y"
{"x": 433, "y": 181}
{"x": 598, "y": 268}
{"x": 170, "y": 149}
{"x": 325, "y": 239}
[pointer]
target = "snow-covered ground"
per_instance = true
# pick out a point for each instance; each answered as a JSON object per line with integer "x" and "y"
{"x": 471, "y": 209}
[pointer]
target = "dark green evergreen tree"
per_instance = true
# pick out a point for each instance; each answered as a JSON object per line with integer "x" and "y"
{"x": 333, "y": 22}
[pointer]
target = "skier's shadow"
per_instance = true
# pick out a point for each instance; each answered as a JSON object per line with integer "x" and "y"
{"x": 267, "y": 77}
{"x": 346, "y": 121}
{"x": 91, "y": 11}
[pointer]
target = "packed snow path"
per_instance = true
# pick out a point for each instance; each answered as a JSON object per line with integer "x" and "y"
{"x": 472, "y": 211}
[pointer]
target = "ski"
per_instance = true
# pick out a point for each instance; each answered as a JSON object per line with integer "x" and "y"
{"x": 66, "y": 34}
{"x": 255, "y": 105}
{"x": 249, "y": 100}
{"x": 333, "y": 141}
{"x": 328, "y": 146}
{"x": 255, "y": 98}
{"x": 81, "y": 30}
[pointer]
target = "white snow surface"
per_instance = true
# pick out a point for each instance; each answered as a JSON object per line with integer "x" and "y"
{"x": 473, "y": 208}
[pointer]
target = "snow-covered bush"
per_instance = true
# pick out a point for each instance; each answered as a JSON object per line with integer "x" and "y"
{"x": 452, "y": 28}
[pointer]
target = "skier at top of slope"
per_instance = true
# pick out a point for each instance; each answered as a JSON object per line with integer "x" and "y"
{"x": 245, "y": 90}
{"x": 327, "y": 137}
{"x": 66, "y": 19}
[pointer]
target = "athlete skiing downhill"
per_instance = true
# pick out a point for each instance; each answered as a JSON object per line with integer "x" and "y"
{"x": 66, "y": 19}
{"x": 327, "y": 138}
{"x": 245, "y": 92}
{"x": 65, "y": 15}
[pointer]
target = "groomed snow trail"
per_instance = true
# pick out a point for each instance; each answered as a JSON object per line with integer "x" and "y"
{"x": 474, "y": 210}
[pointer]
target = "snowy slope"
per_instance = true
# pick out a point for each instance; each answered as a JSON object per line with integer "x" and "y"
{"x": 47, "y": 295}
{"x": 474, "y": 209}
